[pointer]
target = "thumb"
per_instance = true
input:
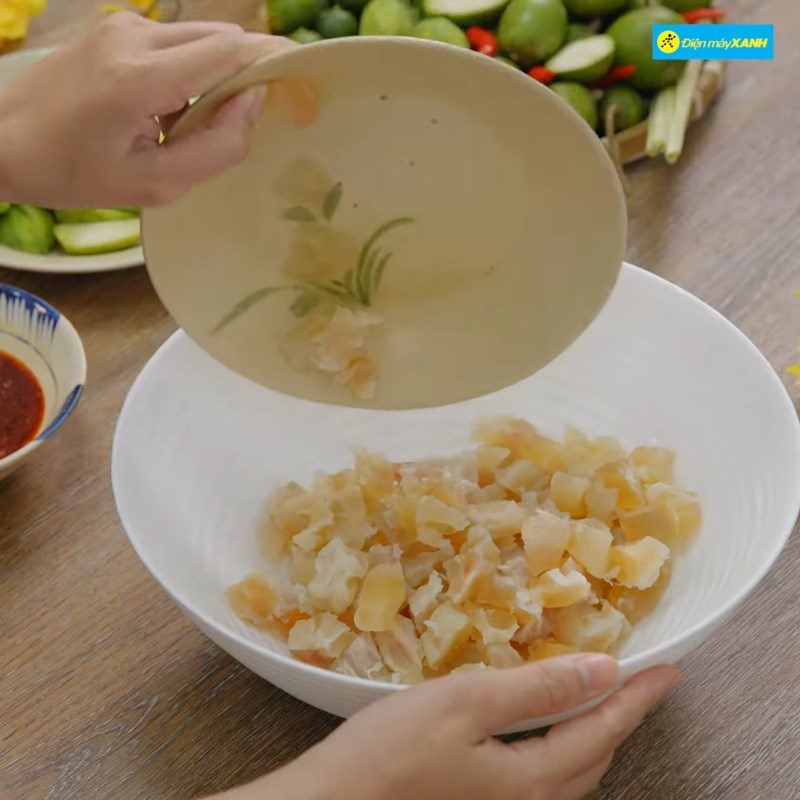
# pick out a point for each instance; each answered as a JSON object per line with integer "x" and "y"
{"x": 222, "y": 144}
{"x": 546, "y": 687}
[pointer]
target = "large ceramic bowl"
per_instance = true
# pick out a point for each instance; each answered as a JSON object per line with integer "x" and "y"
{"x": 198, "y": 450}
{"x": 11, "y": 66}
{"x": 508, "y": 236}
{"x": 39, "y": 336}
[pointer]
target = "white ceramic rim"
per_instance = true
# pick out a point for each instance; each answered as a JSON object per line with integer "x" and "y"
{"x": 7, "y": 463}
{"x": 629, "y": 665}
{"x": 61, "y": 263}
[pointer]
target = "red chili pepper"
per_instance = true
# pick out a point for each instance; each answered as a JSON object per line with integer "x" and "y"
{"x": 614, "y": 75}
{"x": 702, "y": 14}
{"x": 542, "y": 74}
{"x": 482, "y": 40}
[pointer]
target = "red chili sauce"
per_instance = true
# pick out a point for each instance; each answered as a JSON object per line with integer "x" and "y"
{"x": 21, "y": 404}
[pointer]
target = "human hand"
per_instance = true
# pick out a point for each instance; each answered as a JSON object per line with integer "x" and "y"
{"x": 80, "y": 128}
{"x": 434, "y": 741}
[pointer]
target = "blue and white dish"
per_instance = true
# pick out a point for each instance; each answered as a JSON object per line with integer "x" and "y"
{"x": 44, "y": 340}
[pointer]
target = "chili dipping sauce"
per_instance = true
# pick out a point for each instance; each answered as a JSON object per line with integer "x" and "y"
{"x": 21, "y": 404}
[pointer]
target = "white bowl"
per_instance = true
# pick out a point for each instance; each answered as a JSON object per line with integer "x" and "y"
{"x": 198, "y": 450}
{"x": 11, "y": 66}
{"x": 35, "y": 333}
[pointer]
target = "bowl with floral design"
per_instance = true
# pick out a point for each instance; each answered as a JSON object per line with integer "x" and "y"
{"x": 415, "y": 225}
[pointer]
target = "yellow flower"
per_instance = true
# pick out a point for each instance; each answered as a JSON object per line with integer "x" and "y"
{"x": 147, "y": 8}
{"x": 795, "y": 370}
{"x": 14, "y": 17}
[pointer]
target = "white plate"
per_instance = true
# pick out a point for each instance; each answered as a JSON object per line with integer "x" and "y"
{"x": 198, "y": 450}
{"x": 62, "y": 263}
{"x": 11, "y": 66}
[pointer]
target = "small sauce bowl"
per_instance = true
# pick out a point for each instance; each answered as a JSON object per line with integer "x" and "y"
{"x": 44, "y": 342}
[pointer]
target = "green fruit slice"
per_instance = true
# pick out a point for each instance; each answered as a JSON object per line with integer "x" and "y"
{"x": 465, "y": 12}
{"x": 632, "y": 35}
{"x": 286, "y": 16}
{"x": 387, "y": 18}
{"x": 93, "y": 214}
{"x": 334, "y": 23}
{"x": 629, "y": 103}
{"x": 4, "y": 207}
{"x": 586, "y": 9}
{"x": 580, "y": 98}
{"x": 531, "y": 31}
{"x": 440, "y": 29}
{"x": 304, "y": 36}
{"x": 585, "y": 60}
{"x": 27, "y": 228}
{"x": 88, "y": 238}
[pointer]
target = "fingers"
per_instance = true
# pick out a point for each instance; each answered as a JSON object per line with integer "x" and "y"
{"x": 175, "y": 168}
{"x": 580, "y": 786}
{"x": 171, "y": 34}
{"x": 502, "y": 697}
{"x": 577, "y": 744}
{"x": 191, "y": 69}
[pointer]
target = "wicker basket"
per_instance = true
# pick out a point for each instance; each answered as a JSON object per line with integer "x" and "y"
{"x": 632, "y": 142}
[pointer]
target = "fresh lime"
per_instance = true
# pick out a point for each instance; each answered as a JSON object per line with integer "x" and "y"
{"x": 586, "y": 9}
{"x": 440, "y": 29}
{"x": 465, "y": 12}
{"x": 507, "y": 61}
{"x": 286, "y": 16}
{"x": 92, "y": 214}
{"x": 632, "y": 34}
{"x": 387, "y": 18}
{"x": 87, "y": 238}
{"x": 583, "y": 61}
{"x": 304, "y": 36}
{"x": 333, "y": 23}
{"x": 577, "y": 31}
{"x": 532, "y": 30}
{"x": 27, "y": 228}
{"x": 4, "y": 207}
{"x": 580, "y": 98}
{"x": 685, "y": 5}
{"x": 629, "y": 104}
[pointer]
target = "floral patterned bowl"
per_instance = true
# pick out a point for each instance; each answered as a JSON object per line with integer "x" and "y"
{"x": 415, "y": 225}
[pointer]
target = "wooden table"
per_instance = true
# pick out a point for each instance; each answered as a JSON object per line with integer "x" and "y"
{"x": 106, "y": 691}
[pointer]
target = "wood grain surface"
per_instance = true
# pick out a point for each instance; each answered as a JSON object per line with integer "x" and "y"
{"x": 106, "y": 691}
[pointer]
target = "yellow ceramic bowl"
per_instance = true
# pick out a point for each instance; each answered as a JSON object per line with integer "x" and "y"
{"x": 459, "y": 201}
